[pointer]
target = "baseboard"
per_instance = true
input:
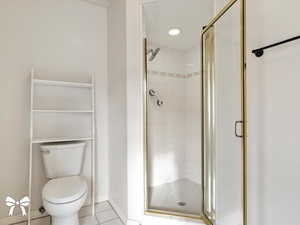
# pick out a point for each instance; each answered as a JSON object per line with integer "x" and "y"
{"x": 101, "y": 198}
{"x": 118, "y": 210}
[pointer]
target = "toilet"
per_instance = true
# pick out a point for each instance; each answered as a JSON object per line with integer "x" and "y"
{"x": 66, "y": 191}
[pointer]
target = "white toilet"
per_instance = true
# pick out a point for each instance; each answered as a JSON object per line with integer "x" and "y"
{"x": 66, "y": 192}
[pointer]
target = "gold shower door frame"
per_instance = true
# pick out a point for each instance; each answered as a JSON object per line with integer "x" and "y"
{"x": 204, "y": 218}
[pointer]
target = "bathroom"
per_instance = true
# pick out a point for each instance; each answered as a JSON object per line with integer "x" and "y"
{"x": 139, "y": 110}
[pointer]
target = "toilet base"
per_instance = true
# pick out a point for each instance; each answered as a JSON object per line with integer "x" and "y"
{"x": 68, "y": 220}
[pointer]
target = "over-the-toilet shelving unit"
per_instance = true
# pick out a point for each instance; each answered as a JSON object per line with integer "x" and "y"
{"x": 48, "y": 111}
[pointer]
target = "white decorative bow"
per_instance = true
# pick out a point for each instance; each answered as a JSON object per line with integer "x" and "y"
{"x": 10, "y": 202}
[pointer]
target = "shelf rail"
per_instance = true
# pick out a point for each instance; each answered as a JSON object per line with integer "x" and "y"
{"x": 34, "y": 140}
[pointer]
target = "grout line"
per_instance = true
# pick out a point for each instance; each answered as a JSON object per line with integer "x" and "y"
{"x": 41, "y": 217}
{"x": 111, "y": 220}
{"x": 104, "y": 210}
{"x": 115, "y": 212}
{"x": 25, "y": 221}
{"x": 111, "y": 209}
{"x": 97, "y": 219}
{"x": 173, "y": 75}
{"x": 89, "y": 216}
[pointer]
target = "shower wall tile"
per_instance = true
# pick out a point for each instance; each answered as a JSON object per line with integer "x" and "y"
{"x": 166, "y": 130}
{"x": 174, "y": 129}
{"x": 167, "y": 60}
{"x": 193, "y": 129}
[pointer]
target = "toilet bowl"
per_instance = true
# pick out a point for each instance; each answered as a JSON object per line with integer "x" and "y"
{"x": 63, "y": 198}
{"x": 66, "y": 192}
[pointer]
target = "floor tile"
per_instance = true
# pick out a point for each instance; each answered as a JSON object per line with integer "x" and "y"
{"x": 88, "y": 220}
{"x": 113, "y": 222}
{"x": 104, "y": 216}
{"x": 102, "y": 206}
{"x": 41, "y": 221}
{"x": 22, "y": 223}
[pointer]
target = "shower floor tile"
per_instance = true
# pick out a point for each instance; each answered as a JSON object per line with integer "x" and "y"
{"x": 182, "y": 196}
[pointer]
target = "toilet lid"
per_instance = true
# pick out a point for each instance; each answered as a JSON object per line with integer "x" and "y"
{"x": 63, "y": 190}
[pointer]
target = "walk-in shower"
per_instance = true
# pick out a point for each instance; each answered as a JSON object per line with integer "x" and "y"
{"x": 174, "y": 168}
{"x": 193, "y": 166}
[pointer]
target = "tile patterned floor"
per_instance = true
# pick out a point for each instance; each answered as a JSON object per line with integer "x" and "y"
{"x": 105, "y": 215}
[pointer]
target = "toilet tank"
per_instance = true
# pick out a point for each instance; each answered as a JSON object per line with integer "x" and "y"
{"x": 63, "y": 159}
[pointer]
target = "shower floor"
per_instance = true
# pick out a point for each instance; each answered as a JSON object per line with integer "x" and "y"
{"x": 183, "y": 196}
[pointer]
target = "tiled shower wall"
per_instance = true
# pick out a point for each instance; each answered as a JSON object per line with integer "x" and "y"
{"x": 174, "y": 129}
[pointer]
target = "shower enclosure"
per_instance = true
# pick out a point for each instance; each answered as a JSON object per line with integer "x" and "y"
{"x": 195, "y": 111}
{"x": 174, "y": 128}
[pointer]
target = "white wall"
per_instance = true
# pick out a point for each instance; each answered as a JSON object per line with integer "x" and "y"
{"x": 193, "y": 115}
{"x": 117, "y": 107}
{"x": 273, "y": 82}
{"x": 63, "y": 40}
{"x": 134, "y": 97}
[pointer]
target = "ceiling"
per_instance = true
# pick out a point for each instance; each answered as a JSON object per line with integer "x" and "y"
{"x": 187, "y": 15}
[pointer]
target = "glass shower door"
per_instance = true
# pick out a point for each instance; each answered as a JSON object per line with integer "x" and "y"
{"x": 224, "y": 142}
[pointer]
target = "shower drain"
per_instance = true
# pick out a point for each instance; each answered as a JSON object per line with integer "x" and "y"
{"x": 181, "y": 203}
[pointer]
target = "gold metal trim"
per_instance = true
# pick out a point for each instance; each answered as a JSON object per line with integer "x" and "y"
{"x": 219, "y": 15}
{"x": 179, "y": 215}
{"x": 145, "y": 84}
{"x": 208, "y": 63}
{"x": 244, "y": 112}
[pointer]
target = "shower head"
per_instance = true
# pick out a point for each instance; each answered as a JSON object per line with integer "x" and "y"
{"x": 153, "y": 53}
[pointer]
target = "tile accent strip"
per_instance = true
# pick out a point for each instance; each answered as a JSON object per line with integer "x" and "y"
{"x": 173, "y": 75}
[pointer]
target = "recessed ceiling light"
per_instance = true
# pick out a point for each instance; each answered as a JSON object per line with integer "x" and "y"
{"x": 174, "y": 31}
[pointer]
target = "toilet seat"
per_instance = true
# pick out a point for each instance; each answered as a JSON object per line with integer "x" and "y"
{"x": 64, "y": 190}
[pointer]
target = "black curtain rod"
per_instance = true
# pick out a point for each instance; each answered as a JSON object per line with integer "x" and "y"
{"x": 260, "y": 51}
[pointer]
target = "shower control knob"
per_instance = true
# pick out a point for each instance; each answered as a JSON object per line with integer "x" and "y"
{"x": 159, "y": 103}
{"x": 151, "y": 92}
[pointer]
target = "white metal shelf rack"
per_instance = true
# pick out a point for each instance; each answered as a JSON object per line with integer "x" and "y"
{"x": 91, "y": 138}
